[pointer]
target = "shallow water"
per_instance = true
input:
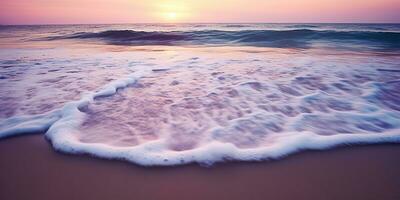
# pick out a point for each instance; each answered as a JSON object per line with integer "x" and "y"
{"x": 202, "y": 102}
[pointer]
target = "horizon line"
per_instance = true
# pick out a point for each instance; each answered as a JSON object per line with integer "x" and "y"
{"x": 171, "y": 23}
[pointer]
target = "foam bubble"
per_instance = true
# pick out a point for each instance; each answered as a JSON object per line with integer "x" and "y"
{"x": 218, "y": 108}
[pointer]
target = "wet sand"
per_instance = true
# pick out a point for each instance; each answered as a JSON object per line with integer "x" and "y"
{"x": 31, "y": 169}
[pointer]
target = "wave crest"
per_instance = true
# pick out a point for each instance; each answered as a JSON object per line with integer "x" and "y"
{"x": 297, "y": 38}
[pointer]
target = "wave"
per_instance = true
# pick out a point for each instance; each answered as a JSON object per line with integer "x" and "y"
{"x": 61, "y": 124}
{"x": 297, "y": 38}
{"x": 206, "y": 107}
{"x": 311, "y": 130}
{"x": 302, "y": 26}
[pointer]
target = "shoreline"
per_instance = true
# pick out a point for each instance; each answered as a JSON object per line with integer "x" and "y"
{"x": 31, "y": 169}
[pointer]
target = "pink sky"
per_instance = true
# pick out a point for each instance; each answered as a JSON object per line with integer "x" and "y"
{"x": 133, "y": 11}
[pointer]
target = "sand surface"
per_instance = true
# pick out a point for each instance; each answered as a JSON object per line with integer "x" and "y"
{"x": 31, "y": 169}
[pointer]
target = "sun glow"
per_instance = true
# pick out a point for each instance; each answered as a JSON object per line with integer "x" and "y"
{"x": 172, "y": 11}
{"x": 195, "y": 11}
{"x": 171, "y": 16}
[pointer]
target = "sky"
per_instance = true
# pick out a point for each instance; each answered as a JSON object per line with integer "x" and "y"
{"x": 198, "y": 11}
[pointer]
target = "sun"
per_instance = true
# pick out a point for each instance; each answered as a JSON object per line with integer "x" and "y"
{"x": 171, "y": 16}
{"x": 171, "y": 11}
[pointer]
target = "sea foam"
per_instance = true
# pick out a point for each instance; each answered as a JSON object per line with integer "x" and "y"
{"x": 210, "y": 109}
{"x": 172, "y": 105}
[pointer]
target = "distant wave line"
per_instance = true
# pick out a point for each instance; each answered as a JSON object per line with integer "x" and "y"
{"x": 298, "y": 38}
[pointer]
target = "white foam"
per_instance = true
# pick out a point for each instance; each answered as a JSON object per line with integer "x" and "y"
{"x": 69, "y": 116}
{"x": 156, "y": 153}
{"x": 63, "y": 124}
{"x": 28, "y": 124}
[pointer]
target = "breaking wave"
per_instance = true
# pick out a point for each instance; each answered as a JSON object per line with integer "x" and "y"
{"x": 298, "y": 38}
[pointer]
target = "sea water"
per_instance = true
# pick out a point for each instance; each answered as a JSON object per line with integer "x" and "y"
{"x": 169, "y": 94}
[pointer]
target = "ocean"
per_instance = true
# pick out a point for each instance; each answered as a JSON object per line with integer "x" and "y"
{"x": 171, "y": 94}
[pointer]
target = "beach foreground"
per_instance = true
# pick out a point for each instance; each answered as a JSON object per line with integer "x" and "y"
{"x": 180, "y": 94}
{"x": 31, "y": 169}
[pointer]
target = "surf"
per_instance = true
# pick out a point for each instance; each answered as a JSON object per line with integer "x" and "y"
{"x": 295, "y": 38}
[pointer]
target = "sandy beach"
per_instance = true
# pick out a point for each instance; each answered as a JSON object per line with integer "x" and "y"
{"x": 31, "y": 169}
{"x": 198, "y": 100}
